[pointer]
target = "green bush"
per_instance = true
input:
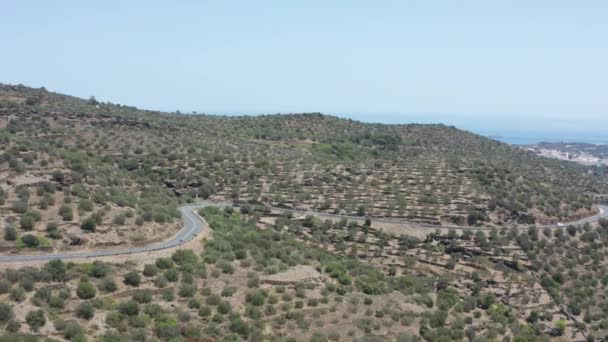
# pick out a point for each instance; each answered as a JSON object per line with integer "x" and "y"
{"x": 89, "y": 224}
{"x": 166, "y": 328}
{"x": 119, "y": 220}
{"x": 27, "y": 222}
{"x": 30, "y": 241}
{"x": 171, "y": 274}
{"x": 10, "y": 233}
{"x": 238, "y": 326}
{"x": 142, "y": 296}
{"x": 35, "y": 319}
{"x": 129, "y": 308}
{"x": 150, "y": 270}
{"x": 100, "y": 269}
{"x": 184, "y": 256}
{"x": 17, "y": 294}
{"x": 85, "y": 310}
{"x": 228, "y": 291}
{"x": 66, "y": 213}
{"x": 164, "y": 263}
{"x": 86, "y": 290}
{"x": 132, "y": 278}
{"x": 57, "y": 269}
{"x": 256, "y": 298}
{"x": 187, "y": 290}
{"x": 213, "y": 299}
{"x": 107, "y": 284}
{"x": 74, "y": 332}
{"x": 224, "y": 307}
{"x": 204, "y": 311}
{"x": 6, "y": 312}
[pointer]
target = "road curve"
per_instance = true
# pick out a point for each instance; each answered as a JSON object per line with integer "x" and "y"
{"x": 194, "y": 225}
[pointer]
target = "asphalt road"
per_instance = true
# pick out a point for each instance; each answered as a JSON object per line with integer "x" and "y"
{"x": 193, "y": 225}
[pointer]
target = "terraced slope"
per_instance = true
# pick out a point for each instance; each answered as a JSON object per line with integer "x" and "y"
{"x": 117, "y": 167}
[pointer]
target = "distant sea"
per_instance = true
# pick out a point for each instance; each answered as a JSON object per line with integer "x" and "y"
{"x": 512, "y": 129}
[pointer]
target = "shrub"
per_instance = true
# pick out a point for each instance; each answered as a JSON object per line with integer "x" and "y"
{"x": 17, "y": 294}
{"x": 318, "y": 337}
{"x": 172, "y": 275}
{"x": 228, "y": 291}
{"x": 85, "y": 205}
{"x": 113, "y": 336}
{"x": 142, "y": 296}
{"x": 56, "y": 302}
{"x": 27, "y": 222}
{"x": 187, "y": 290}
{"x": 85, "y": 310}
{"x": 571, "y": 230}
{"x": 107, "y": 284}
{"x": 153, "y": 310}
{"x": 51, "y": 226}
{"x": 256, "y": 298}
{"x": 184, "y": 256}
{"x": 53, "y": 233}
{"x": 226, "y": 266}
{"x": 164, "y": 263}
{"x": 119, "y": 220}
{"x": 168, "y": 295}
{"x": 35, "y": 319}
{"x": 89, "y": 224}
{"x": 150, "y": 270}
{"x": 20, "y": 207}
{"x": 194, "y": 303}
{"x": 57, "y": 269}
{"x": 66, "y": 213}
{"x": 6, "y": 312}
{"x": 129, "y": 308}
{"x": 166, "y": 328}
{"x": 114, "y": 319}
{"x": 204, "y": 311}
{"x": 238, "y": 326}
{"x": 100, "y": 269}
{"x": 85, "y": 290}
{"x": 74, "y": 332}
{"x": 30, "y": 241}
{"x": 5, "y": 286}
{"x": 560, "y": 327}
{"x": 160, "y": 281}
{"x": 132, "y": 278}
{"x": 10, "y": 233}
{"x": 224, "y": 307}
{"x": 213, "y": 299}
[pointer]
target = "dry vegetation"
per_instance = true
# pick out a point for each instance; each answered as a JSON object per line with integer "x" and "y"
{"x": 303, "y": 279}
{"x": 80, "y": 174}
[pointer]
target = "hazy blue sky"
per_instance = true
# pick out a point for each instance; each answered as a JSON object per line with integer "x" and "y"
{"x": 546, "y": 59}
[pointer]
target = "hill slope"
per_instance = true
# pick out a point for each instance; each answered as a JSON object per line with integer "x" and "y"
{"x": 82, "y": 174}
{"x": 123, "y": 157}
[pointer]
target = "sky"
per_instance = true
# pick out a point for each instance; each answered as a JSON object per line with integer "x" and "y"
{"x": 491, "y": 62}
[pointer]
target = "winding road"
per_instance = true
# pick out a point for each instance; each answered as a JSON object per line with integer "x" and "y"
{"x": 194, "y": 225}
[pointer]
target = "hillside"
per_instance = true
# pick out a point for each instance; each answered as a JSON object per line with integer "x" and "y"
{"x": 80, "y": 175}
{"x": 428, "y": 173}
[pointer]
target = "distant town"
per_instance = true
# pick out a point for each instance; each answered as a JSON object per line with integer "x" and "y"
{"x": 583, "y": 153}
